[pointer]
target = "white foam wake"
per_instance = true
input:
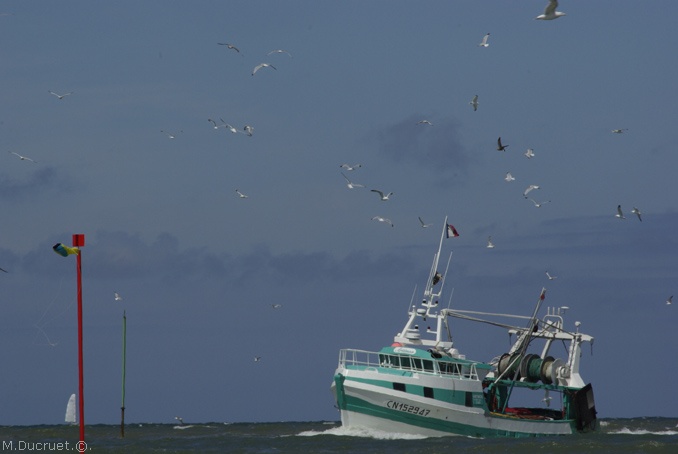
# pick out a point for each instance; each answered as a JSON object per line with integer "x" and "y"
{"x": 627, "y": 431}
{"x": 361, "y": 432}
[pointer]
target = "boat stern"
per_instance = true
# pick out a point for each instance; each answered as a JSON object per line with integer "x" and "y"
{"x": 585, "y": 409}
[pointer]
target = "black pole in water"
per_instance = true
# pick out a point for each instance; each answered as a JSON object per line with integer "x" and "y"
{"x": 124, "y": 353}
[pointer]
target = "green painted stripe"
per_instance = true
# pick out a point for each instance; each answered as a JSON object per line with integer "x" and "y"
{"x": 360, "y": 406}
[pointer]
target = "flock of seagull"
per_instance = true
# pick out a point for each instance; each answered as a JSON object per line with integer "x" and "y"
{"x": 248, "y": 130}
{"x": 383, "y": 196}
{"x": 260, "y": 65}
{"x": 550, "y": 13}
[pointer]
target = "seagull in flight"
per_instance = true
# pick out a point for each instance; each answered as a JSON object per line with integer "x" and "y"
{"x": 620, "y": 131}
{"x": 383, "y": 196}
{"x": 474, "y": 103}
{"x": 539, "y": 204}
{"x": 381, "y": 219}
{"x": 23, "y": 158}
{"x": 551, "y": 277}
{"x": 490, "y": 244}
{"x": 529, "y": 188}
{"x": 279, "y": 51}
{"x": 223, "y": 125}
{"x": 230, "y": 46}
{"x": 669, "y": 301}
{"x": 637, "y": 212}
{"x": 423, "y": 224}
{"x": 350, "y": 167}
{"x": 257, "y": 359}
{"x": 500, "y": 147}
{"x": 424, "y": 122}
{"x": 61, "y": 96}
{"x": 350, "y": 184}
{"x": 169, "y": 134}
{"x": 116, "y": 296}
{"x": 249, "y": 130}
{"x": 619, "y": 214}
{"x": 276, "y": 306}
{"x": 3, "y": 270}
{"x": 509, "y": 178}
{"x": 227, "y": 126}
{"x": 547, "y": 399}
{"x": 550, "y": 12}
{"x": 262, "y": 65}
{"x": 240, "y": 194}
{"x": 484, "y": 42}
{"x": 529, "y": 153}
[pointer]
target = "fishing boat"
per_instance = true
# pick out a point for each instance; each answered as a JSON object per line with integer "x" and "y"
{"x": 70, "y": 410}
{"x": 422, "y": 385}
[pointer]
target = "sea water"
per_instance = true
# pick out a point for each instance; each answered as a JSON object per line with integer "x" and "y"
{"x": 631, "y": 435}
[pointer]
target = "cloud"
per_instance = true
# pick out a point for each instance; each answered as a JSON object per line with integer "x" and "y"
{"x": 120, "y": 255}
{"x": 435, "y": 146}
{"x": 295, "y": 268}
{"x": 43, "y": 179}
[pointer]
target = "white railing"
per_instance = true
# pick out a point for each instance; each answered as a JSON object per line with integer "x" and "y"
{"x": 358, "y": 358}
{"x": 350, "y": 358}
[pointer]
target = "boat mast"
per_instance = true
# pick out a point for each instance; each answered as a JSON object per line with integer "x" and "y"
{"x": 428, "y": 293}
{"x": 410, "y": 334}
{"x": 526, "y": 338}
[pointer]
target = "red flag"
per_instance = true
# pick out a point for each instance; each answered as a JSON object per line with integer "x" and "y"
{"x": 451, "y": 231}
{"x": 543, "y": 294}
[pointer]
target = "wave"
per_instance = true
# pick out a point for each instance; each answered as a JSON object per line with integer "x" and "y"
{"x": 627, "y": 431}
{"x": 361, "y": 432}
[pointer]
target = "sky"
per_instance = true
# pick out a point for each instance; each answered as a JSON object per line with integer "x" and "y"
{"x": 199, "y": 267}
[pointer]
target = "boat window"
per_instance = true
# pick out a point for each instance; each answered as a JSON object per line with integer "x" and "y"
{"x": 428, "y": 365}
{"x": 388, "y": 361}
{"x": 399, "y": 386}
{"x": 417, "y": 363}
{"x": 428, "y": 392}
{"x": 449, "y": 368}
{"x": 469, "y": 399}
{"x": 405, "y": 362}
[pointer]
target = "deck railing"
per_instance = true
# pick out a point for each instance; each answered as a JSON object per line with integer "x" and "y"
{"x": 363, "y": 359}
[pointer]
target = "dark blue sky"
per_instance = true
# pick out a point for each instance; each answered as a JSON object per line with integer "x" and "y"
{"x": 199, "y": 267}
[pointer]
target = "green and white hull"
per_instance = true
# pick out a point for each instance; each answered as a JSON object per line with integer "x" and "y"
{"x": 429, "y": 403}
{"x": 426, "y": 387}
